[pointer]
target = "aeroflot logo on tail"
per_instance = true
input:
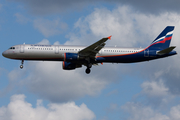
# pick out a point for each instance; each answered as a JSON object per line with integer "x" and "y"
{"x": 164, "y": 38}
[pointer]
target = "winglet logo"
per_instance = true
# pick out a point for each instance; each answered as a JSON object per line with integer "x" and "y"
{"x": 109, "y": 37}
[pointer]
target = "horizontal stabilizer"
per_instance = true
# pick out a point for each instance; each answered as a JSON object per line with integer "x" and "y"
{"x": 166, "y": 51}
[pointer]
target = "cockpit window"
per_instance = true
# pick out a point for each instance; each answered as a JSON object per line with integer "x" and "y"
{"x": 12, "y": 48}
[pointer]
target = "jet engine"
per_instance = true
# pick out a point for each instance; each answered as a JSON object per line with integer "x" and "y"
{"x": 70, "y": 65}
{"x": 71, "y": 57}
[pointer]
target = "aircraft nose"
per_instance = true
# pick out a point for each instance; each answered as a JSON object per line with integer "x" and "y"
{"x": 4, "y": 53}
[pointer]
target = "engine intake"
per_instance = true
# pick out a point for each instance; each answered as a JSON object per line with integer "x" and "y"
{"x": 70, "y": 65}
{"x": 71, "y": 57}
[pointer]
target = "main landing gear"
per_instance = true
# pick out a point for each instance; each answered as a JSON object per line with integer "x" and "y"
{"x": 21, "y": 66}
{"x": 88, "y": 70}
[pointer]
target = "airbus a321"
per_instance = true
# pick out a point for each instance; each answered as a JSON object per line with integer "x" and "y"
{"x": 75, "y": 56}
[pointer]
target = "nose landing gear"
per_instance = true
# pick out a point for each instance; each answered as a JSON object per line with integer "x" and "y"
{"x": 21, "y": 66}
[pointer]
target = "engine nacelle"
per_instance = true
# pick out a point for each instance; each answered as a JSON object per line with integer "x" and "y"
{"x": 71, "y": 57}
{"x": 70, "y": 65}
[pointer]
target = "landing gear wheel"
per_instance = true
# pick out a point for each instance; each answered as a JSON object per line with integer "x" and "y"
{"x": 22, "y": 62}
{"x": 21, "y": 66}
{"x": 88, "y": 70}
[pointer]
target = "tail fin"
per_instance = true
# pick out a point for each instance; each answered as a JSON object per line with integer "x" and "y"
{"x": 163, "y": 40}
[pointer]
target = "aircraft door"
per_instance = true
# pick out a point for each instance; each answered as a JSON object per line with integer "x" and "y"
{"x": 146, "y": 53}
{"x": 56, "y": 49}
{"x": 22, "y": 49}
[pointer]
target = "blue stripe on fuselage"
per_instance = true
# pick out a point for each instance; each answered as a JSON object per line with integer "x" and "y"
{"x": 131, "y": 58}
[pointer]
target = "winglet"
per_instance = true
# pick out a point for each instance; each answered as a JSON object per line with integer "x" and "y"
{"x": 109, "y": 37}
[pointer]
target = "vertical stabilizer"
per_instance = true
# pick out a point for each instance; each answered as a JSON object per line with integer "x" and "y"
{"x": 163, "y": 40}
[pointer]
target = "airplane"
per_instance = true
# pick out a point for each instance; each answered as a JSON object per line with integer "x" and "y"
{"x": 75, "y": 56}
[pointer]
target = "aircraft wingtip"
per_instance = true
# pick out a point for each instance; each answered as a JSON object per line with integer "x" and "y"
{"x": 109, "y": 37}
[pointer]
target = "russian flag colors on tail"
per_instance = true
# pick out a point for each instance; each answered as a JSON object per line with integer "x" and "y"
{"x": 163, "y": 40}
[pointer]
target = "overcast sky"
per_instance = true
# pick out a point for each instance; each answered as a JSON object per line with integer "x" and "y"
{"x": 44, "y": 91}
{"x": 58, "y": 6}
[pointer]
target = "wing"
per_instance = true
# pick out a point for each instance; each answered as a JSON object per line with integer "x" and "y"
{"x": 93, "y": 49}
